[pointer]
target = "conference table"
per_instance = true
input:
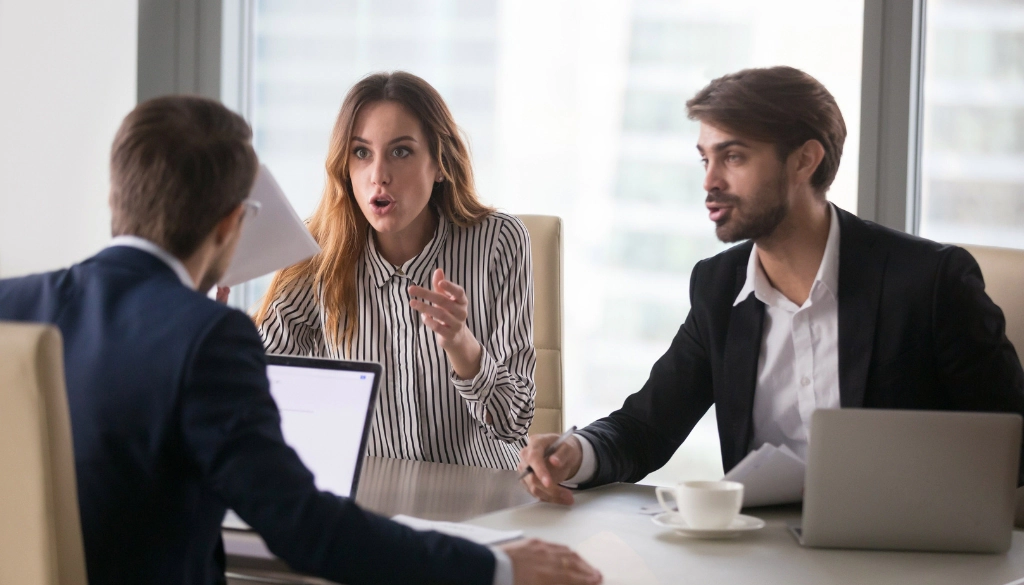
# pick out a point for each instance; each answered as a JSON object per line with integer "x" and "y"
{"x": 607, "y": 526}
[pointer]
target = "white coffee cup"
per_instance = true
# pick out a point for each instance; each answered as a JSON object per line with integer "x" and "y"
{"x": 704, "y": 504}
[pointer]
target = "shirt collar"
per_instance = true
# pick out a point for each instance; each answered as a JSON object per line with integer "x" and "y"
{"x": 167, "y": 258}
{"x": 418, "y": 269}
{"x": 828, "y": 271}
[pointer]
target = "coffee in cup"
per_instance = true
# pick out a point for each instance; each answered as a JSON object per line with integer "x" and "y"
{"x": 704, "y": 504}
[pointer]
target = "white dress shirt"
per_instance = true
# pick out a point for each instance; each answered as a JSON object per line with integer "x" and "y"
{"x": 798, "y": 365}
{"x": 167, "y": 258}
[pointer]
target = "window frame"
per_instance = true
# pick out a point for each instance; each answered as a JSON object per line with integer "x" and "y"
{"x": 205, "y": 47}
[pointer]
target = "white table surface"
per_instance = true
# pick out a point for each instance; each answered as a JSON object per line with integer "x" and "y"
{"x": 769, "y": 556}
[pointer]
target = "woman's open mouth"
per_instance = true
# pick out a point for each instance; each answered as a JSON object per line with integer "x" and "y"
{"x": 381, "y": 204}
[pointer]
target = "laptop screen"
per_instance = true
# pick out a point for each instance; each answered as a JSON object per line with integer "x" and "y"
{"x": 326, "y": 408}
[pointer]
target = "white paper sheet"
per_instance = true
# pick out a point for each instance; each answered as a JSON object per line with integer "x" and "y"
{"x": 274, "y": 239}
{"x": 618, "y": 562}
{"x": 770, "y": 475}
{"x": 477, "y": 534}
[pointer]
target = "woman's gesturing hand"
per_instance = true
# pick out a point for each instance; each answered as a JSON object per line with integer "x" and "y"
{"x": 444, "y": 309}
{"x": 222, "y": 294}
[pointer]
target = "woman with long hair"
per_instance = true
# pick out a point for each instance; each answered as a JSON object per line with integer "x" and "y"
{"x": 417, "y": 274}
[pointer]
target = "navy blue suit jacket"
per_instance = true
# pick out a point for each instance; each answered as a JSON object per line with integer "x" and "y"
{"x": 173, "y": 422}
{"x": 916, "y": 331}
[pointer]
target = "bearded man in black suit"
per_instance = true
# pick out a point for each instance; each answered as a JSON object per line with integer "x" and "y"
{"x": 816, "y": 309}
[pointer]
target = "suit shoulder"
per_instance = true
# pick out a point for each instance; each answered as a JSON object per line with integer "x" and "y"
{"x": 724, "y": 264}
{"x": 216, "y": 312}
{"x": 195, "y": 312}
{"x": 34, "y": 297}
{"x": 901, "y": 245}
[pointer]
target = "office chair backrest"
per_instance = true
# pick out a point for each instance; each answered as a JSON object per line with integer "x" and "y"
{"x": 1003, "y": 270}
{"x": 40, "y": 530}
{"x": 546, "y": 248}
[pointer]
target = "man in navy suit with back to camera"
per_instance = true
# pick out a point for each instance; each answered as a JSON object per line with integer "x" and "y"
{"x": 816, "y": 309}
{"x": 171, "y": 413}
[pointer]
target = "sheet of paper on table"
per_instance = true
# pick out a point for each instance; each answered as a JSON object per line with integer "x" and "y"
{"x": 274, "y": 239}
{"x": 618, "y": 562}
{"x": 770, "y": 475}
{"x": 477, "y": 534}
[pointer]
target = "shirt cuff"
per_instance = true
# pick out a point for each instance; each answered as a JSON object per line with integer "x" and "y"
{"x": 588, "y": 467}
{"x": 502, "y": 568}
{"x": 476, "y": 388}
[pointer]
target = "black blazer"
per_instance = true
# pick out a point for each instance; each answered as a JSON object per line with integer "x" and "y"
{"x": 173, "y": 421}
{"x": 916, "y": 331}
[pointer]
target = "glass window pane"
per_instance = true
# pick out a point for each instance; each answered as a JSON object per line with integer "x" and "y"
{"x": 972, "y": 163}
{"x": 575, "y": 109}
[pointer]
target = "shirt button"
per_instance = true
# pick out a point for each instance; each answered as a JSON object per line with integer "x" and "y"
{"x": 805, "y": 381}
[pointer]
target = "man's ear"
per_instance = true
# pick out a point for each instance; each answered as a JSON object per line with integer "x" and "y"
{"x": 807, "y": 158}
{"x": 226, "y": 227}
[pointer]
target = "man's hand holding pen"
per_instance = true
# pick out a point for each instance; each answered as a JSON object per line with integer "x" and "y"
{"x": 551, "y": 466}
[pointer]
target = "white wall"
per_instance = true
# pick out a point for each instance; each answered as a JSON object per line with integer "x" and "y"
{"x": 67, "y": 78}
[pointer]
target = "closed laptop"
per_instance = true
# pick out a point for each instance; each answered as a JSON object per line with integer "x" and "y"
{"x": 911, "y": 480}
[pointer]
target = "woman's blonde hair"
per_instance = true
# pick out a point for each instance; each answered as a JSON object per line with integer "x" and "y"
{"x": 339, "y": 226}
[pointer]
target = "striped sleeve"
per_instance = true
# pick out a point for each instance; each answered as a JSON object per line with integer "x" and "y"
{"x": 292, "y": 325}
{"x": 504, "y": 386}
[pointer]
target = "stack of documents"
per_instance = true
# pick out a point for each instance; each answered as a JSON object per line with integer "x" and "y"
{"x": 476, "y": 534}
{"x": 771, "y": 475}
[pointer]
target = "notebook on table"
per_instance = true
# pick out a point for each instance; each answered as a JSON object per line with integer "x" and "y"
{"x": 326, "y": 410}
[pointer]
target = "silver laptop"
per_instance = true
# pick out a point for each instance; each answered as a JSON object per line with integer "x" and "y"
{"x": 911, "y": 480}
{"x": 326, "y": 409}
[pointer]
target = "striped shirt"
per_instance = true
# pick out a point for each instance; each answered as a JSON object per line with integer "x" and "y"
{"x": 425, "y": 411}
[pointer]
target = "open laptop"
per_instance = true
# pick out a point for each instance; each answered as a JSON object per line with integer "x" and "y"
{"x": 911, "y": 480}
{"x": 326, "y": 409}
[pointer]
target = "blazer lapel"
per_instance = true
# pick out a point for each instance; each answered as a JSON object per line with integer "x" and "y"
{"x": 742, "y": 348}
{"x": 861, "y": 270}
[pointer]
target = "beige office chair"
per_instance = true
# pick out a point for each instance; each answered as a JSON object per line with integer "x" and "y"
{"x": 40, "y": 530}
{"x": 546, "y": 248}
{"x": 1003, "y": 271}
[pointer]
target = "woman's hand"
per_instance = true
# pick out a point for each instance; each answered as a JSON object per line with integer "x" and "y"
{"x": 222, "y": 294}
{"x": 444, "y": 309}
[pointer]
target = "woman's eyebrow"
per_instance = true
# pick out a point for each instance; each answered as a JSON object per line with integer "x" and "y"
{"x": 399, "y": 139}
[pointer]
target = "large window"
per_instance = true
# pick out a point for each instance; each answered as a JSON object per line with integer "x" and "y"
{"x": 571, "y": 108}
{"x": 972, "y": 172}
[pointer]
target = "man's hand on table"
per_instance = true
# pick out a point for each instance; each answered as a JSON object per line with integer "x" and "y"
{"x": 535, "y": 562}
{"x": 549, "y": 472}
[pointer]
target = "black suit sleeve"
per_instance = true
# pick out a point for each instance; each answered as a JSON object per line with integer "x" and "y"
{"x": 231, "y": 427}
{"x": 643, "y": 435}
{"x": 978, "y": 368}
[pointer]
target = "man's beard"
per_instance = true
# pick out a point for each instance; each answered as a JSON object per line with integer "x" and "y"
{"x": 762, "y": 214}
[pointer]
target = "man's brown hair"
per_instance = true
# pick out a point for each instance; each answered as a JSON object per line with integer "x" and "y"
{"x": 779, "y": 105}
{"x": 179, "y": 165}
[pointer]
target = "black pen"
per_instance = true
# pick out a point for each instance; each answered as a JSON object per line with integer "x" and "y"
{"x": 550, "y": 450}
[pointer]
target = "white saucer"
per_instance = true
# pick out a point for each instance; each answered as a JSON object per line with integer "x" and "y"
{"x": 739, "y": 525}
